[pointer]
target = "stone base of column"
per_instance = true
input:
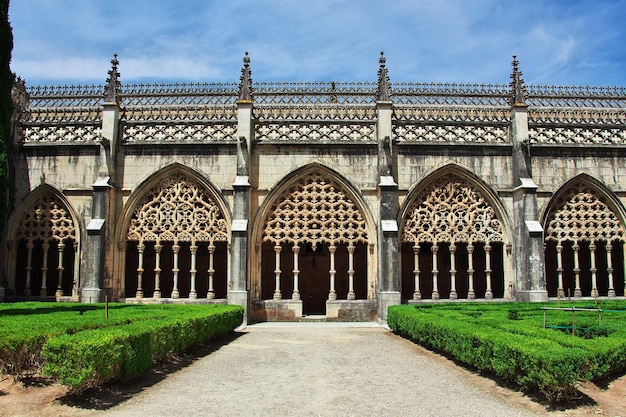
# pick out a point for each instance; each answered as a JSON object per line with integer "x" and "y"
{"x": 453, "y": 295}
{"x": 489, "y": 295}
{"x": 351, "y": 310}
{"x": 193, "y": 295}
{"x": 2, "y": 294}
{"x": 435, "y": 295}
{"x": 386, "y": 299}
{"x": 59, "y": 293}
{"x": 240, "y": 298}
{"x": 43, "y": 292}
{"x": 611, "y": 293}
{"x": 532, "y": 295}
{"x": 471, "y": 295}
{"x": 175, "y": 294}
{"x": 156, "y": 294}
{"x": 578, "y": 293}
{"x": 91, "y": 295}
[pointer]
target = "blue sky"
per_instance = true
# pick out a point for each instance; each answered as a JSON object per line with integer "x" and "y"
{"x": 558, "y": 42}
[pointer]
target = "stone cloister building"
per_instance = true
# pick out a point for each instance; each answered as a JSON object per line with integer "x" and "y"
{"x": 299, "y": 199}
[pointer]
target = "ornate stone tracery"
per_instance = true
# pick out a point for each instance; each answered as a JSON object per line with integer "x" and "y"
{"x": 315, "y": 211}
{"x": 450, "y": 210}
{"x": 579, "y": 214}
{"x": 45, "y": 223}
{"x": 47, "y": 220}
{"x": 177, "y": 209}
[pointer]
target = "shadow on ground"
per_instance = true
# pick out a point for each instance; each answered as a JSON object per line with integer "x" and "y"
{"x": 115, "y": 392}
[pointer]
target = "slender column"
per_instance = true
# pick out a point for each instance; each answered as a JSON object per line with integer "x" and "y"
{"x": 211, "y": 293}
{"x": 332, "y": 295}
{"x": 609, "y": 269}
{"x": 277, "y": 294}
{"x": 192, "y": 291}
{"x": 559, "y": 269}
{"x": 296, "y": 273}
{"x": 59, "y": 292}
{"x": 435, "y": 272}
{"x": 76, "y": 280}
{"x": 29, "y": 265}
{"x": 453, "y": 294}
{"x": 175, "y": 270}
{"x": 488, "y": 293}
{"x": 577, "y": 290}
{"x": 351, "y": 294}
{"x": 593, "y": 270}
{"x": 157, "y": 270}
{"x": 471, "y": 294}
{"x": 140, "y": 249}
{"x": 44, "y": 270}
{"x": 417, "y": 295}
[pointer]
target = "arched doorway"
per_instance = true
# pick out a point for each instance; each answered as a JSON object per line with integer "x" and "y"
{"x": 46, "y": 250}
{"x": 177, "y": 242}
{"x": 452, "y": 243}
{"x": 314, "y": 245}
{"x": 584, "y": 243}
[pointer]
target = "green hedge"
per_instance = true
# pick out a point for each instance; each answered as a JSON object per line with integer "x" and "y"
{"x": 520, "y": 349}
{"x": 82, "y": 348}
{"x": 92, "y": 357}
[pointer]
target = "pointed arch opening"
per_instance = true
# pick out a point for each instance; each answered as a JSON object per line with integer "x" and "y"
{"x": 584, "y": 241}
{"x": 452, "y": 240}
{"x": 314, "y": 240}
{"x": 176, "y": 238}
{"x": 44, "y": 247}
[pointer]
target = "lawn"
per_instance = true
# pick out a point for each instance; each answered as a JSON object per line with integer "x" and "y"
{"x": 547, "y": 347}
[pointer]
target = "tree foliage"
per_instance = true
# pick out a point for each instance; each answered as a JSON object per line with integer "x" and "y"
{"x": 6, "y": 106}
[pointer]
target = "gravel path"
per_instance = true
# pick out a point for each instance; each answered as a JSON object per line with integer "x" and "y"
{"x": 319, "y": 369}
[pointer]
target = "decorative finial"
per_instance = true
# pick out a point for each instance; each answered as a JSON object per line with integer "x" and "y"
{"x": 384, "y": 84}
{"x": 19, "y": 95}
{"x": 245, "y": 84}
{"x": 518, "y": 89}
{"x": 113, "y": 86}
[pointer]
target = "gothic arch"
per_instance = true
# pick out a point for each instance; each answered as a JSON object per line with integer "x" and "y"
{"x": 175, "y": 216}
{"x": 453, "y": 235}
{"x": 44, "y": 235}
{"x": 313, "y": 212}
{"x": 584, "y": 240}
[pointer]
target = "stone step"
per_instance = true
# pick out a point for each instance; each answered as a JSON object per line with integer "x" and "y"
{"x": 314, "y": 318}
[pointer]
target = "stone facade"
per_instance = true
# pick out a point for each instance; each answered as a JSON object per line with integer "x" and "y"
{"x": 304, "y": 199}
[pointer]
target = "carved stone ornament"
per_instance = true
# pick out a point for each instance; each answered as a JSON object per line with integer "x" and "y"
{"x": 47, "y": 220}
{"x": 580, "y": 215}
{"x": 450, "y": 210}
{"x": 315, "y": 211}
{"x": 177, "y": 209}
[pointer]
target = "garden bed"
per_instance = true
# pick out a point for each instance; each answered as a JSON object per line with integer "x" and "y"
{"x": 510, "y": 341}
{"x": 85, "y": 345}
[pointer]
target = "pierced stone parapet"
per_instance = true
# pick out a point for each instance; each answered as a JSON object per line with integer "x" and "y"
{"x": 314, "y": 132}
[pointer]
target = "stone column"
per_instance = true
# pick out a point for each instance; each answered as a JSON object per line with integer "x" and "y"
{"x": 238, "y": 281}
{"x": 388, "y": 275}
{"x": 527, "y": 253}
{"x": 94, "y": 249}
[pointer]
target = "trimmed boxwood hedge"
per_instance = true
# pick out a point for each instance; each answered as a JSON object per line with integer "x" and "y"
{"x": 80, "y": 348}
{"x": 518, "y": 349}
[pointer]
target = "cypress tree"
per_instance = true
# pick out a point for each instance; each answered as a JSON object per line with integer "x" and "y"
{"x": 6, "y": 105}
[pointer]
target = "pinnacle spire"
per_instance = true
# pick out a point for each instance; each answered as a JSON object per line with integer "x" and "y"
{"x": 245, "y": 81}
{"x": 113, "y": 86}
{"x": 384, "y": 84}
{"x": 518, "y": 88}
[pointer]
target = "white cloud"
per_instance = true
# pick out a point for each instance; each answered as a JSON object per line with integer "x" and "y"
{"x": 447, "y": 40}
